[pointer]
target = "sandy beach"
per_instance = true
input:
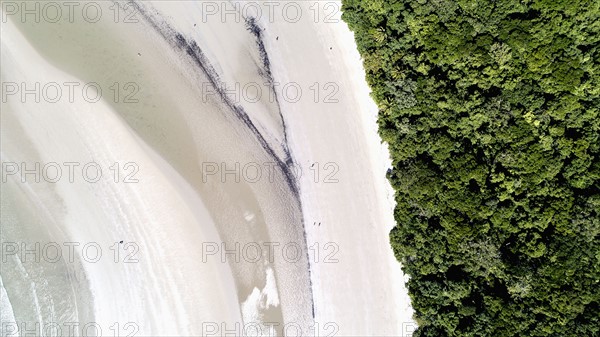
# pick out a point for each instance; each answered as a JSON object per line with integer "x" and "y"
{"x": 242, "y": 186}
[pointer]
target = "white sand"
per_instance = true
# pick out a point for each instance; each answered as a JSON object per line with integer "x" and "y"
{"x": 171, "y": 211}
{"x": 6, "y": 311}
{"x": 168, "y": 291}
{"x": 364, "y": 292}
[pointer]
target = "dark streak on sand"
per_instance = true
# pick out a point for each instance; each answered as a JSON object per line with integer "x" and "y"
{"x": 255, "y": 29}
{"x": 193, "y": 50}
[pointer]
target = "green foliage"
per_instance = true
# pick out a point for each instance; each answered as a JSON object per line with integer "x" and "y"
{"x": 491, "y": 110}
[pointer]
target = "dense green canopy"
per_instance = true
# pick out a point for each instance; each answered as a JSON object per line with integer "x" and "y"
{"x": 491, "y": 110}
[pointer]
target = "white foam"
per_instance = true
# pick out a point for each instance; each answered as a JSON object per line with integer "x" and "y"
{"x": 260, "y": 300}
